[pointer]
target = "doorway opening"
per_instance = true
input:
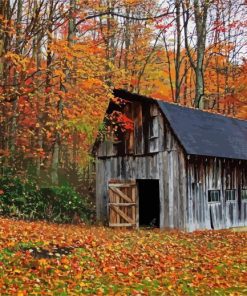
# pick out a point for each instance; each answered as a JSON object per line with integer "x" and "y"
{"x": 149, "y": 203}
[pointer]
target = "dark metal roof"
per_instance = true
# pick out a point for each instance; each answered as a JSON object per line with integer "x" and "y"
{"x": 203, "y": 133}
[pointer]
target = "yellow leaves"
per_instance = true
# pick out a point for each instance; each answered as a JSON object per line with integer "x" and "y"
{"x": 17, "y": 60}
{"x": 107, "y": 262}
{"x": 42, "y": 262}
{"x": 170, "y": 288}
{"x": 11, "y": 244}
{"x": 83, "y": 284}
{"x": 60, "y": 73}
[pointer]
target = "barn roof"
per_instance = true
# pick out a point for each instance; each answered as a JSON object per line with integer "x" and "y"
{"x": 203, "y": 133}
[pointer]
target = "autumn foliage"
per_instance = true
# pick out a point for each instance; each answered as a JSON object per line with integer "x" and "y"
{"x": 59, "y": 63}
{"x": 60, "y": 60}
{"x": 47, "y": 259}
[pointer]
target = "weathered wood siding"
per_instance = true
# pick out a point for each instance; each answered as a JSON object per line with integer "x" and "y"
{"x": 172, "y": 195}
{"x": 204, "y": 174}
{"x": 147, "y": 135}
{"x": 157, "y": 155}
{"x": 124, "y": 168}
{"x": 174, "y": 180}
{"x": 151, "y": 151}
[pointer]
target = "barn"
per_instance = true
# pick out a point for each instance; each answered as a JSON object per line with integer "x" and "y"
{"x": 176, "y": 168}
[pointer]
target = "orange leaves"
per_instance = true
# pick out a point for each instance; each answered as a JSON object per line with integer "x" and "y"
{"x": 18, "y": 61}
{"x": 59, "y": 73}
{"x": 69, "y": 96}
{"x": 121, "y": 121}
{"x": 42, "y": 262}
{"x": 112, "y": 262}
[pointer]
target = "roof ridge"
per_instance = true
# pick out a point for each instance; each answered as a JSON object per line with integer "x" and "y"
{"x": 202, "y": 110}
{"x": 179, "y": 105}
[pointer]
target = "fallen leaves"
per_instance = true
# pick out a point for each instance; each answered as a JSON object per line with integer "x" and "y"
{"x": 37, "y": 258}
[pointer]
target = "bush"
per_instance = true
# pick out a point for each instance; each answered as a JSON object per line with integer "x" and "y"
{"x": 63, "y": 204}
{"x": 24, "y": 199}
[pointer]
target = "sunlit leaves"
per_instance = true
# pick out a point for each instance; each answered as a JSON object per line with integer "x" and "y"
{"x": 103, "y": 261}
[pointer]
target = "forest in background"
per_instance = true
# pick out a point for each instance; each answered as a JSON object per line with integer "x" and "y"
{"x": 61, "y": 59}
{"x": 59, "y": 63}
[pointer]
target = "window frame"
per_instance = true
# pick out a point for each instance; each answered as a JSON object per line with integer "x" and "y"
{"x": 210, "y": 199}
{"x": 243, "y": 190}
{"x": 154, "y": 121}
{"x": 232, "y": 190}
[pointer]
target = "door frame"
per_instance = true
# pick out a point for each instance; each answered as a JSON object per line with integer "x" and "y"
{"x": 117, "y": 200}
{"x": 160, "y": 203}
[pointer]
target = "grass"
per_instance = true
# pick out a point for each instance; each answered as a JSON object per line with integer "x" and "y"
{"x": 38, "y": 258}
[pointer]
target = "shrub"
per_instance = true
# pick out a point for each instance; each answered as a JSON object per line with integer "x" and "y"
{"x": 24, "y": 199}
{"x": 63, "y": 204}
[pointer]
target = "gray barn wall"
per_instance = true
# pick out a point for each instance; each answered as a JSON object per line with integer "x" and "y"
{"x": 215, "y": 174}
{"x": 183, "y": 181}
{"x": 165, "y": 162}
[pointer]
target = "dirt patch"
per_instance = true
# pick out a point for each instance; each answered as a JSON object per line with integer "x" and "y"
{"x": 239, "y": 229}
{"x": 55, "y": 252}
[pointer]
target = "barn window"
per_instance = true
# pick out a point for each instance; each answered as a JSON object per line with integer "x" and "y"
{"x": 244, "y": 194}
{"x": 214, "y": 196}
{"x": 230, "y": 194}
{"x": 154, "y": 124}
{"x": 153, "y": 129}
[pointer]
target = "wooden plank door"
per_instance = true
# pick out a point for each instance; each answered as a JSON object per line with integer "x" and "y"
{"x": 122, "y": 203}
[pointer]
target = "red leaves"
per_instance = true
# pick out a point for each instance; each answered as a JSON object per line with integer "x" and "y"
{"x": 125, "y": 122}
{"x": 121, "y": 121}
{"x": 112, "y": 262}
{"x": 163, "y": 27}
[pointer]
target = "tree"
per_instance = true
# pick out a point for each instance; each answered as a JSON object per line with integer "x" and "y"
{"x": 200, "y": 13}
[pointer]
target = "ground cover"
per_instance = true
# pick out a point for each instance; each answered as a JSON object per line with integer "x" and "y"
{"x": 37, "y": 258}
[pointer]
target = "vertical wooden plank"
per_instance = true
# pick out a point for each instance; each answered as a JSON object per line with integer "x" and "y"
{"x": 154, "y": 134}
{"x": 171, "y": 189}
{"x": 117, "y": 199}
{"x": 101, "y": 151}
{"x": 129, "y": 134}
{"x": 176, "y": 197}
{"x": 166, "y": 189}
{"x": 162, "y": 132}
{"x": 190, "y": 214}
{"x": 133, "y": 197}
{"x": 137, "y": 206}
{"x": 99, "y": 189}
{"x": 138, "y": 129}
{"x": 122, "y": 203}
{"x": 160, "y": 172}
{"x": 183, "y": 187}
{"x": 125, "y": 209}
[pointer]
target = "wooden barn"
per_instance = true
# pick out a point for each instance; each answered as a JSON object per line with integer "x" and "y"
{"x": 177, "y": 167}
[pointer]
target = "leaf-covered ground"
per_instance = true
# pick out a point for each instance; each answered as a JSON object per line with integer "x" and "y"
{"x": 46, "y": 259}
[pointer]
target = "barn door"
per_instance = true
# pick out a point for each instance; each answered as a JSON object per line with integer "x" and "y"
{"x": 122, "y": 203}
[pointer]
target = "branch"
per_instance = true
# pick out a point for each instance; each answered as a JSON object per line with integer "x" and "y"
{"x": 128, "y": 17}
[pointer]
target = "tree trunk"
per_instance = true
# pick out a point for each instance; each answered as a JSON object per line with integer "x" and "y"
{"x": 178, "y": 51}
{"x": 200, "y": 13}
{"x": 15, "y": 80}
{"x": 55, "y": 162}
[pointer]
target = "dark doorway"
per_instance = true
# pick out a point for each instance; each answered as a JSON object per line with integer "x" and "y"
{"x": 149, "y": 203}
